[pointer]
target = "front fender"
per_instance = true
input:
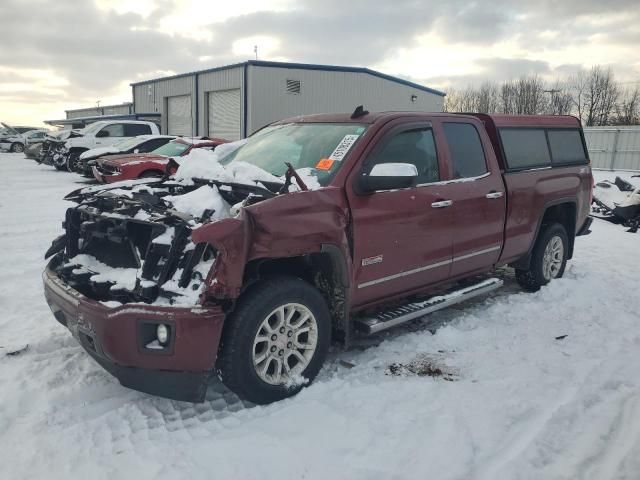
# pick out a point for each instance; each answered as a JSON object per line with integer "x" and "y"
{"x": 230, "y": 237}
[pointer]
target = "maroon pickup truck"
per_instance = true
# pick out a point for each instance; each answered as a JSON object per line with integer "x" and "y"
{"x": 316, "y": 229}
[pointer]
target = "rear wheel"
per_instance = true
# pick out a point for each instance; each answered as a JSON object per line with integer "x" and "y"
{"x": 548, "y": 260}
{"x": 17, "y": 147}
{"x": 276, "y": 340}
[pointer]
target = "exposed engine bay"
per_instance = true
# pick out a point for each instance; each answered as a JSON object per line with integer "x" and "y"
{"x": 131, "y": 242}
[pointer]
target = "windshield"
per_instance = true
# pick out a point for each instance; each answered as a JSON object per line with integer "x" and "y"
{"x": 171, "y": 149}
{"x": 319, "y": 147}
{"x": 94, "y": 127}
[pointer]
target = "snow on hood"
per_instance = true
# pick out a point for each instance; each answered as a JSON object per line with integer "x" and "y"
{"x": 196, "y": 202}
{"x": 201, "y": 163}
{"x": 95, "y": 152}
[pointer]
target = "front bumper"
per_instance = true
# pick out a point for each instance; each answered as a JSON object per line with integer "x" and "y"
{"x": 112, "y": 336}
{"x": 104, "y": 177}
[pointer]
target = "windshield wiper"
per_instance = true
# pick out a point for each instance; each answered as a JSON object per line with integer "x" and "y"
{"x": 291, "y": 172}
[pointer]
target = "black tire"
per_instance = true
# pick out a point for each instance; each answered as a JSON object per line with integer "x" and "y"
{"x": 532, "y": 279}
{"x": 72, "y": 164}
{"x": 17, "y": 147}
{"x": 235, "y": 365}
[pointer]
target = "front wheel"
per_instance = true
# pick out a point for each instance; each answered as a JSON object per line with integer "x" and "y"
{"x": 73, "y": 162}
{"x": 548, "y": 260}
{"x": 276, "y": 340}
{"x": 17, "y": 148}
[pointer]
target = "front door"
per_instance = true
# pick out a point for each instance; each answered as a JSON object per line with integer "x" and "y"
{"x": 403, "y": 238}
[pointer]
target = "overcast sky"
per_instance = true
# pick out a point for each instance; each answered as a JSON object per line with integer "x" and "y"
{"x": 62, "y": 54}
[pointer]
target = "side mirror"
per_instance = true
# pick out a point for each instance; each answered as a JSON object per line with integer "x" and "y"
{"x": 102, "y": 133}
{"x": 387, "y": 176}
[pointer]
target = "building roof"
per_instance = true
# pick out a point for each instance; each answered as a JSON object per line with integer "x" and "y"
{"x": 125, "y": 104}
{"x": 98, "y": 118}
{"x": 302, "y": 66}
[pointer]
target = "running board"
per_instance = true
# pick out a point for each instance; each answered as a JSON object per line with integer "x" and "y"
{"x": 404, "y": 313}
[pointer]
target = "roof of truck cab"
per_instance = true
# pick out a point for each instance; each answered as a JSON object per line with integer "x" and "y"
{"x": 497, "y": 120}
{"x": 529, "y": 120}
{"x": 369, "y": 118}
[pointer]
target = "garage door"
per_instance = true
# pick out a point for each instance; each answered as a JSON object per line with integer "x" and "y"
{"x": 224, "y": 114}
{"x": 179, "y": 115}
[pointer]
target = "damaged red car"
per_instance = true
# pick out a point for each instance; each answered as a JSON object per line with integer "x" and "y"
{"x": 317, "y": 229}
{"x": 116, "y": 168}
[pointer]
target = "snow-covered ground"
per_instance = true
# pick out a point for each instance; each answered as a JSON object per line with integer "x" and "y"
{"x": 514, "y": 402}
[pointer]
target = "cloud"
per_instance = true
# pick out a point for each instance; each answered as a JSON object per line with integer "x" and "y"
{"x": 91, "y": 51}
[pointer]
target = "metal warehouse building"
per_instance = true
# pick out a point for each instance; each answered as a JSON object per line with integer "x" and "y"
{"x": 236, "y": 100}
{"x": 121, "y": 109}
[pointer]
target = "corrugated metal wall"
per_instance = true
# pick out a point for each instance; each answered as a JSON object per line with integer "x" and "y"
{"x": 152, "y": 97}
{"x": 327, "y": 92}
{"x": 614, "y": 148}
{"x": 228, "y": 79}
{"x": 121, "y": 109}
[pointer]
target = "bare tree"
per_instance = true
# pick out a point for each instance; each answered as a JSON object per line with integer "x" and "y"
{"x": 594, "y": 96}
{"x": 487, "y": 98}
{"x": 601, "y": 95}
{"x": 628, "y": 107}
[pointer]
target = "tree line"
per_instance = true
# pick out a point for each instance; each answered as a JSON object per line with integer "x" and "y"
{"x": 594, "y": 96}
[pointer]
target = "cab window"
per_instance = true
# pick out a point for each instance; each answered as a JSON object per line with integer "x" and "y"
{"x": 415, "y": 146}
{"x": 114, "y": 130}
{"x": 467, "y": 154}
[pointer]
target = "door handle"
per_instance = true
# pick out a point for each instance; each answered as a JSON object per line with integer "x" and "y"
{"x": 442, "y": 204}
{"x": 494, "y": 194}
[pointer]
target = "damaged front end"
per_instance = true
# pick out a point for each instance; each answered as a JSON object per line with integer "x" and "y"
{"x": 130, "y": 244}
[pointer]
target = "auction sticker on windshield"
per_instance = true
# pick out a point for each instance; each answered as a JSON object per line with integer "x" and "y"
{"x": 343, "y": 147}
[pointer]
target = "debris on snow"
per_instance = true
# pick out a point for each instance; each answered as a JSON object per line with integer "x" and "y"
{"x": 423, "y": 365}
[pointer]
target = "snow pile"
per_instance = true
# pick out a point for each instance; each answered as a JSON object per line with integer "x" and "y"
{"x": 526, "y": 402}
{"x": 122, "y": 278}
{"x": 197, "y": 201}
{"x": 204, "y": 164}
{"x": 189, "y": 295}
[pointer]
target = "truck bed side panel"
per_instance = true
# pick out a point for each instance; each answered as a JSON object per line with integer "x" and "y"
{"x": 530, "y": 193}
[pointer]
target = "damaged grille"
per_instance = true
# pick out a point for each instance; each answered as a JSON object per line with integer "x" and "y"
{"x": 106, "y": 169}
{"x": 129, "y": 260}
{"x": 129, "y": 243}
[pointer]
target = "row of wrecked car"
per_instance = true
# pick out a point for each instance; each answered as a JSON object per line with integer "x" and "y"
{"x": 114, "y": 150}
{"x": 18, "y": 139}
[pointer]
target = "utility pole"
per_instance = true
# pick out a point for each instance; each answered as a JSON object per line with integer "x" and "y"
{"x": 553, "y": 92}
{"x": 255, "y": 50}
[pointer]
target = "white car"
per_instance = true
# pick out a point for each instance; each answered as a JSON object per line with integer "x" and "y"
{"x": 100, "y": 134}
{"x": 17, "y": 142}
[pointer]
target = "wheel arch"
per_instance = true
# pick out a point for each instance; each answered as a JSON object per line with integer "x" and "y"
{"x": 327, "y": 270}
{"x": 563, "y": 211}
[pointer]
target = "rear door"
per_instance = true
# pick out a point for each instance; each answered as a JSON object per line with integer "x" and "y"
{"x": 402, "y": 242}
{"x": 478, "y": 196}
